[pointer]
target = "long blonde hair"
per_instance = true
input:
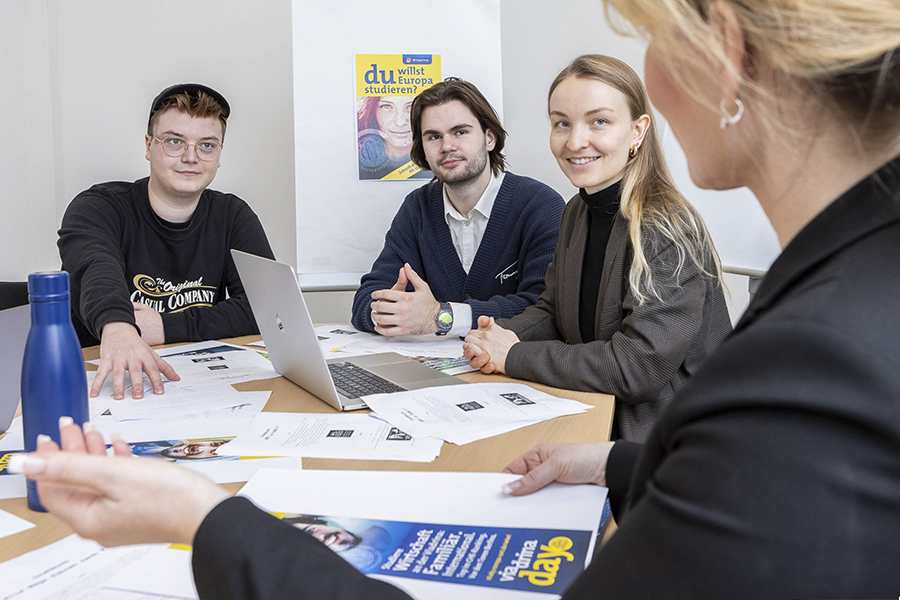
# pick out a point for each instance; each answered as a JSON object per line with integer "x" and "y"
{"x": 649, "y": 198}
{"x": 846, "y": 52}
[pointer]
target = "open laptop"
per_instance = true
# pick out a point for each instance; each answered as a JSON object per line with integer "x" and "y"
{"x": 14, "y": 326}
{"x": 293, "y": 347}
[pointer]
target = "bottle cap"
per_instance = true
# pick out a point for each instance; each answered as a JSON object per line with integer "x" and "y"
{"x": 48, "y": 286}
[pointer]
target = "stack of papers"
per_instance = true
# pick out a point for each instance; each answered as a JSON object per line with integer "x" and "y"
{"x": 198, "y": 415}
{"x": 461, "y": 414}
{"x": 359, "y": 436}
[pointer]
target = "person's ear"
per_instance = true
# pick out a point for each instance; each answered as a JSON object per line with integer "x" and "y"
{"x": 148, "y": 139}
{"x": 639, "y": 130}
{"x": 490, "y": 139}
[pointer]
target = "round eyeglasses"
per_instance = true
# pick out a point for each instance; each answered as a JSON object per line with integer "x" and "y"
{"x": 176, "y": 147}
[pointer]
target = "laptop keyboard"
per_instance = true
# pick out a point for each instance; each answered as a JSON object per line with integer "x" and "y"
{"x": 353, "y": 381}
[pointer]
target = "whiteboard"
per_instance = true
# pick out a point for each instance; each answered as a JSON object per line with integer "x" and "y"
{"x": 341, "y": 221}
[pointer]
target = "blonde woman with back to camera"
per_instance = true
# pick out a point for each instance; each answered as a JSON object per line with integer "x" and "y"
{"x": 634, "y": 300}
{"x": 774, "y": 473}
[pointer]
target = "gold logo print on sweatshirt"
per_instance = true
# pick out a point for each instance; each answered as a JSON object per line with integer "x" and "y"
{"x": 165, "y": 296}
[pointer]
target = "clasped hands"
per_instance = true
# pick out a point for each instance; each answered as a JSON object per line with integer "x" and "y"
{"x": 398, "y": 312}
{"x": 487, "y": 347}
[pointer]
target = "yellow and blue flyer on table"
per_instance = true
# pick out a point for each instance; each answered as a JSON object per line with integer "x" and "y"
{"x": 441, "y": 535}
{"x": 385, "y": 87}
{"x": 531, "y": 560}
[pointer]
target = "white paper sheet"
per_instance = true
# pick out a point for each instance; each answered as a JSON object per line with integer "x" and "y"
{"x": 233, "y": 469}
{"x": 72, "y": 568}
{"x": 12, "y": 486}
{"x": 208, "y": 362}
{"x": 14, "y": 438}
{"x": 10, "y": 524}
{"x": 330, "y": 436}
{"x": 463, "y": 414}
{"x": 199, "y": 445}
{"x": 462, "y": 498}
{"x": 224, "y": 422}
{"x": 182, "y": 397}
{"x": 141, "y": 579}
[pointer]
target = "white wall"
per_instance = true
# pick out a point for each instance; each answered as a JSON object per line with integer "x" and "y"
{"x": 538, "y": 40}
{"x": 79, "y": 76}
{"x": 28, "y": 174}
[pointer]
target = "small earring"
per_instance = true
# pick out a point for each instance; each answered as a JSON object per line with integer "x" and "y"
{"x": 728, "y": 119}
{"x": 632, "y": 152}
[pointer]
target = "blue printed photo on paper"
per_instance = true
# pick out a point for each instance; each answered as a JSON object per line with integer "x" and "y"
{"x": 536, "y": 560}
{"x": 182, "y": 450}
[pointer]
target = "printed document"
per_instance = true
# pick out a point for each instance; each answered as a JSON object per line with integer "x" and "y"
{"x": 228, "y": 421}
{"x": 181, "y": 398}
{"x": 217, "y": 362}
{"x": 433, "y": 533}
{"x": 330, "y": 436}
{"x": 75, "y": 568}
{"x": 463, "y": 414}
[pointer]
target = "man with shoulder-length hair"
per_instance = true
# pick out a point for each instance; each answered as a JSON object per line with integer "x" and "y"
{"x": 149, "y": 260}
{"x": 475, "y": 241}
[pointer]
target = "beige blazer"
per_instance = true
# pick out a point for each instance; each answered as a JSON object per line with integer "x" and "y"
{"x": 642, "y": 354}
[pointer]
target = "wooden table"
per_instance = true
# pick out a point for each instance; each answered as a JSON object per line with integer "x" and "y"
{"x": 487, "y": 455}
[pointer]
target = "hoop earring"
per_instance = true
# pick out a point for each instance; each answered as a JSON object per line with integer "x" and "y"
{"x": 632, "y": 152}
{"x": 727, "y": 119}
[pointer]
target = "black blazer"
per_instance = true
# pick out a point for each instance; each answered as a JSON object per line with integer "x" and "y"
{"x": 776, "y": 474}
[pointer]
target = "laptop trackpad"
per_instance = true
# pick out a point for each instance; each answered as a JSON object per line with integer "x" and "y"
{"x": 413, "y": 376}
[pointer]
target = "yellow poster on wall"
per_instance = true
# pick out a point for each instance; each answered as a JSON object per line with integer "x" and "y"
{"x": 385, "y": 87}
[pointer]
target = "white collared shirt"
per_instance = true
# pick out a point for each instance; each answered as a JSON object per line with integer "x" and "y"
{"x": 467, "y": 232}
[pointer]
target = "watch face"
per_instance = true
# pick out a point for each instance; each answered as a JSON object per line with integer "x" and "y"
{"x": 445, "y": 320}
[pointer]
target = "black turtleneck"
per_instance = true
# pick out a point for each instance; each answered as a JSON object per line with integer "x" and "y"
{"x": 602, "y": 209}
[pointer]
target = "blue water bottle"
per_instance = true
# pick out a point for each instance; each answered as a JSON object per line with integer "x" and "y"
{"x": 54, "y": 383}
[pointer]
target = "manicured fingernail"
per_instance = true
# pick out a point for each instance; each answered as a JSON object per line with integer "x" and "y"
{"x": 87, "y": 427}
{"x": 65, "y": 421}
{"x": 25, "y": 463}
{"x": 41, "y": 438}
{"x": 509, "y": 488}
{"x": 115, "y": 437}
{"x": 159, "y": 390}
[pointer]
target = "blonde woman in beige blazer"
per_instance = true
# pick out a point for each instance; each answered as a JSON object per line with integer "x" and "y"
{"x": 633, "y": 324}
